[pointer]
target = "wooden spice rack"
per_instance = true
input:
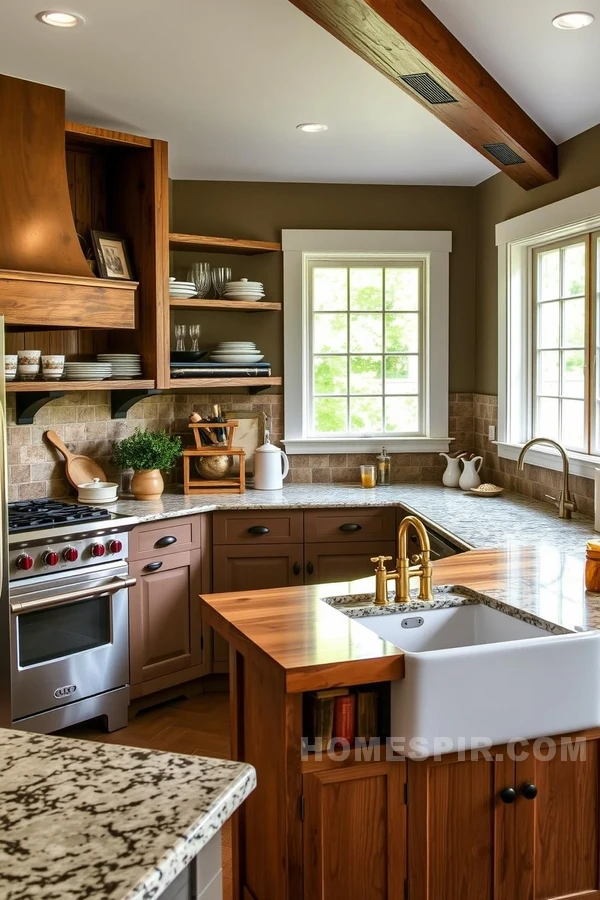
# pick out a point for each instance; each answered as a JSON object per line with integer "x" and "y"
{"x": 196, "y": 485}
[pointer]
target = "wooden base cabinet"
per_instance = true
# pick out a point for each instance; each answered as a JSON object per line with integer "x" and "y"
{"x": 330, "y": 563}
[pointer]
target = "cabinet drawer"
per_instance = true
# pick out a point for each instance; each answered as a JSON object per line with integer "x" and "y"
{"x": 164, "y": 537}
{"x": 258, "y": 527}
{"x": 349, "y": 525}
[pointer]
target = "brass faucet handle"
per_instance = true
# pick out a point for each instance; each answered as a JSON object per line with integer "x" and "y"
{"x": 381, "y": 561}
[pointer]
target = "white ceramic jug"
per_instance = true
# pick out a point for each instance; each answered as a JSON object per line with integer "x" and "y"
{"x": 451, "y": 474}
{"x": 470, "y": 474}
{"x": 271, "y": 465}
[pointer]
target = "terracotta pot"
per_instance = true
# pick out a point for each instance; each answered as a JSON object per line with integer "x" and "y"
{"x": 147, "y": 484}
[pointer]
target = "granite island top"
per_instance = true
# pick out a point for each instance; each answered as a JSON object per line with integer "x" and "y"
{"x": 81, "y": 819}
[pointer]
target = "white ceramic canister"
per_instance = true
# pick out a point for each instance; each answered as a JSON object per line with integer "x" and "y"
{"x": 271, "y": 465}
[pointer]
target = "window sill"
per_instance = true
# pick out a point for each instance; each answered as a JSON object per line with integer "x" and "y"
{"x": 545, "y": 458}
{"x": 366, "y": 445}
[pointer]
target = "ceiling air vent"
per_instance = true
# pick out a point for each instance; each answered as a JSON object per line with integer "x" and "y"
{"x": 504, "y": 154}
{"x": 427, "y": 87}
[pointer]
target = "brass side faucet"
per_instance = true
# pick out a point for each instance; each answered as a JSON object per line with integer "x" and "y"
{"x": 565, "y": 501}
{"x": 421, "y": 566}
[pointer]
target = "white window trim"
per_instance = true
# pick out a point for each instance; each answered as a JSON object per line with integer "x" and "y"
{"x": 435, "y": 246}
{"x": 515, "y": 239}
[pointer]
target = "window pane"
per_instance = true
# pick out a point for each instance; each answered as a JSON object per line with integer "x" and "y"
{"x": 573, "y": 270}
{"x": 401, "y": 289}
{"x": 330, "y": 289}
{"x": 573, "y": 382}
{"x": 547, "y": 418}
{"x": 365, "y": 415}
{"x": 573, "y": 423}
{"x": 366, "y": 375}
{"x": 366, "y": 332}
{"x": 366, "y": 289}
{"x": 330, "y": 375}
{"x": 549, "y": 372}
{"x": 330, "y": 333}
{"x": 402, "y": 333}
{"x": 330, "y": 415}
{"x": 549, "y": 324}
{"x": 401, "y": 414}
{"x": 549, "y": 275}
{"x": 574, "y": 323}
{"x": 402, "y": 374}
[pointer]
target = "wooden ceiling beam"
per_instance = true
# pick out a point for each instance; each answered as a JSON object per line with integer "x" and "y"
{"x": 403, "y": 39}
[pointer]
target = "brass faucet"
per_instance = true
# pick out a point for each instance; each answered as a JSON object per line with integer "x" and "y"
{"x": 565, "y": 502}
{"x": 404, "y": 571}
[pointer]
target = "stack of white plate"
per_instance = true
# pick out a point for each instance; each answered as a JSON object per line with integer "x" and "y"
{"x": 87, "y": 371}
{"x": 124, "y": 365}
{"x": 244, "y": 352}
{"x": 244, "y": 290}
{"x": 181, "y": 290}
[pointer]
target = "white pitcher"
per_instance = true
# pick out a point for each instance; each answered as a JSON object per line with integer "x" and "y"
{"x": 271, "y": 465}
{"x": 470, "y": 475}
{"x": 451, "y": 474}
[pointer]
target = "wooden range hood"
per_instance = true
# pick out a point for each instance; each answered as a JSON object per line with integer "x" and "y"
{"x": 45, "y": 279}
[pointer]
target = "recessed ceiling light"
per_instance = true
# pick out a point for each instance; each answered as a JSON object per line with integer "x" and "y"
{"x": 59, "y": 19}
{"x": 311, "y": 127}
{"x": 569, "y": 21}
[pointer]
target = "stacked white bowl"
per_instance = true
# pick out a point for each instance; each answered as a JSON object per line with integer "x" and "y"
{"x": 87, "y": 371}
{"x": 124, "y": 365}
{"x": 244, "y": 290}
{"x": 181, "y": 290}
{"x": 243, "y": 352}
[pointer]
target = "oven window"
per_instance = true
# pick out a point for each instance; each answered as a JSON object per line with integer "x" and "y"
{"x": 72, "y": 628}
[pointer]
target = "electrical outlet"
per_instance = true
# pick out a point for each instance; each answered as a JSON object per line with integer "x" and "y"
{"x": 492, "y": 433}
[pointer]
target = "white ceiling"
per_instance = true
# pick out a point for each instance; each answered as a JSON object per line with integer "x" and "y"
{"x": 227, "y": 81}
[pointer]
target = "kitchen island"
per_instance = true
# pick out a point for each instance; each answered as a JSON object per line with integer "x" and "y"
{"x": 88, "y": 820}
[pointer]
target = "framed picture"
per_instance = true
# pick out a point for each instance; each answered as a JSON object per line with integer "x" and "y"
{"x": 111, "y": 255}
{"x": 249, "y": 434}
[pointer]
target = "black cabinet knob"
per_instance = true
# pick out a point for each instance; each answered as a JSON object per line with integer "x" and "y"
{"x": 529, "y": 791}
{"x": 297, "y": 568}
{"x": 153, "y": 566}
{"x": 350, "y": 526}
{"x": 310, "y": 568}
{"x": 166, "y": 541}
{"x": 259, "y": 529}
{"x": 508, "y": 795}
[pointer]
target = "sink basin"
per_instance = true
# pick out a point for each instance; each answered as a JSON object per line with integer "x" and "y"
{"x": 475, "y": 676}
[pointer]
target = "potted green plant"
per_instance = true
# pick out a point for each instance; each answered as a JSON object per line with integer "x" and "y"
{"x": 148, "y": 453}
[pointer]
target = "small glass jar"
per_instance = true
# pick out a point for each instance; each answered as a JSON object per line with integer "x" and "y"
{"x": 368, "y": 476}
{"x": 384, "y": 466}
{"x": 592, "y": 567}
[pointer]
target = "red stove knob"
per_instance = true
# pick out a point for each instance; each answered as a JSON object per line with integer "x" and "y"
{"x": 98, "y": 550}
{"x": 70, "y": 554}
{"x": 24, "y": 562}
{"x": 115, "y": 546}
{"x": 50, "y": 558}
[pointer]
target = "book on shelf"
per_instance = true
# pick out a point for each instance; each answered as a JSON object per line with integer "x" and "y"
{"x": 220, "y": 371}
{"x": 367, "y": 715}
{"x": 344, "y": 720}
{"x": 323, "y": 708}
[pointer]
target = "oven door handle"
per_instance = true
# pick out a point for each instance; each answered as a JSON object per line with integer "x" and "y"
{"x": 21, "y": 607}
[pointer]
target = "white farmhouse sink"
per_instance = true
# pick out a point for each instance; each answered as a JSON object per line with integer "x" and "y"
{"x": 475, "y": 676}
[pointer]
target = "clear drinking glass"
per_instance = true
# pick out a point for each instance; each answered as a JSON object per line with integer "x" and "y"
{"x": 195, "y": 336}
{"x": 220, "y": 276}
{"x": 180, "y": 336}
{"x": 200, "y": 274}
{"x": 368, "y": 477}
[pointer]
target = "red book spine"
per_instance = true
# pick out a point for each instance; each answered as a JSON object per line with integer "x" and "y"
{"x": 344, "y": 719}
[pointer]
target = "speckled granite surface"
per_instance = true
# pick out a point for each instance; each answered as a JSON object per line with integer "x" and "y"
{"x": 87, "y": 820}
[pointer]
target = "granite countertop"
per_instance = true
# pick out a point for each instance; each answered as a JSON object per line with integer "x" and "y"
{"x": 80, "y": 819}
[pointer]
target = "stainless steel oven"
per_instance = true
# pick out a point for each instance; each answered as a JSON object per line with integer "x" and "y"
{"x": 70, "y": 643}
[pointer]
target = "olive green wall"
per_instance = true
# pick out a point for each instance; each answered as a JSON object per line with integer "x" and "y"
{"x": 261, "y": 211}
{"x": 498, "y": 199}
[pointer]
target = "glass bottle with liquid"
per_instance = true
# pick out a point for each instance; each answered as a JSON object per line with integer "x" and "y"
{"x": 384, "y": 468}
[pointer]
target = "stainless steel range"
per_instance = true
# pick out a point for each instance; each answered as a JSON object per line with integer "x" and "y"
{"x": 68, "y": 609}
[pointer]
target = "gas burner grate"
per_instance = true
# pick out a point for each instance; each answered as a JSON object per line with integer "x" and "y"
{"x": 27, "y": 515}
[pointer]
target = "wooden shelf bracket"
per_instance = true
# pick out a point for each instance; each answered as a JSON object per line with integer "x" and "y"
{"x": 122, "y": 401}
{"x": 27, "y": 404}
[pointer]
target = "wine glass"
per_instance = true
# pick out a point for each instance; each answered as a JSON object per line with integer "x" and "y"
{"x": 195, "y": 336}
{"x": 180, "y": 335}
{"x": 220, "y": 276}
{"x": 200, "y": 275}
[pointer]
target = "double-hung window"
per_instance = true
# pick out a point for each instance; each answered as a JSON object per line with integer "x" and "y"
{"x": 366, "y": 341}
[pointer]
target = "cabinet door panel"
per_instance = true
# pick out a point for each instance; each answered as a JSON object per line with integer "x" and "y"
{"x": 328, "y": 563}
{"x": 164, "y": 617}
{"x": 241, "y": 568}
{"x": 355, "y": 833}
{"x": 460, "y": 831}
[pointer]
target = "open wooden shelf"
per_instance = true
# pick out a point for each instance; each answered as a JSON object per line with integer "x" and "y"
{"x": 247, "y": 305}
{"x": 224, "y": 383}
{"x": 209, "y": 244}
{"x": 19, "y": 387}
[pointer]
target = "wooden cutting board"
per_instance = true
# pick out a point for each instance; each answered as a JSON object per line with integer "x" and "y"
{"x": 79, "y": 469}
